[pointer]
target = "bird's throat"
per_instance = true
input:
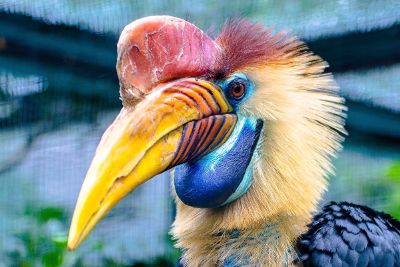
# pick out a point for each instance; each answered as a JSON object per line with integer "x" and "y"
{"x": 264, "y": 241}
{"x": 269, "y": 244}
{"x": 223, "y": 175}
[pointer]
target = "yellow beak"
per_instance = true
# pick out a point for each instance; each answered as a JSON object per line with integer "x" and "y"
{"x": 176, "y": 123}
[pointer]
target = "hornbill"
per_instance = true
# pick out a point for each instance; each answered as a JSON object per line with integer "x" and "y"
{"x": 248, "y": 123}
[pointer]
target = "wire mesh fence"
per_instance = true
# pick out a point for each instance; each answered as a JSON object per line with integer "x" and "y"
{"x": 52, "y": 115}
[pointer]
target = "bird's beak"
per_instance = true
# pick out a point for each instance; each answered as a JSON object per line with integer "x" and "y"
{"x": 176, "y": 123}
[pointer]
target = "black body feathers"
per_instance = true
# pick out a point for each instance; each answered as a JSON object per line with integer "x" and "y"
{"x": 345, "y": 234}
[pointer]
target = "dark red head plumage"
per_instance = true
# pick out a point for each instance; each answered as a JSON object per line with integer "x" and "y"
{"x": 245, "y": 44}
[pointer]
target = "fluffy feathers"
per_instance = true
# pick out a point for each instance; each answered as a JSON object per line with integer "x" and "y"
{"x": 303, "y": 124}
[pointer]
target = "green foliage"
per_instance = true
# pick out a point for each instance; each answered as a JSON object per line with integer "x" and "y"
{"x": 50, "y": 213}
{"x": 157, "y": 262}
{"x": 393, "y": 203}
{"x": 43, "y": 241}
{"x": 175, "y": 253}
{"x": 383, "y": 190}
{"x": 394, "y": 173}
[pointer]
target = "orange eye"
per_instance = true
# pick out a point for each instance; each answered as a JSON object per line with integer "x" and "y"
{"x": 237, "y": 89}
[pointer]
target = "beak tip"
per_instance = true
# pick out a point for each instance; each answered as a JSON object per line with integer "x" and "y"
{"x": 73, "y": 241}
{"x": 72, "y": 244}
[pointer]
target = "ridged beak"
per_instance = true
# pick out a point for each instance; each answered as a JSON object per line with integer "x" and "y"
{"x": 176, "y": 123}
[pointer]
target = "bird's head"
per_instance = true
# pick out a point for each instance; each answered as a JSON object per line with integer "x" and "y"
{"x": 247, "y": 122}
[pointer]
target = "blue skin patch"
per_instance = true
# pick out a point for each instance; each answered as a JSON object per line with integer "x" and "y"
{"x": 223, "y": 175}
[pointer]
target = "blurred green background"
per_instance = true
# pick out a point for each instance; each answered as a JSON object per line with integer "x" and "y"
{"x": 59, "y": 91}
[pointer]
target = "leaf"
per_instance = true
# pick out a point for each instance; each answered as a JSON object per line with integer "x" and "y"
{"x": 393, "y": 205}
{"x": 50, "y": 213}
{"x": 60, "y": 240}
{"x": 52, "y": 258}
{"x": 394, "y": 173}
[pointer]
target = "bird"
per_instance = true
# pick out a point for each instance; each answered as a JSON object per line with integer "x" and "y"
{"x": 247, "y": 123}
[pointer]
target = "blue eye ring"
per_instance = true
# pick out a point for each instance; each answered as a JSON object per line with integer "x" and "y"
{"x": 237, "y": 89}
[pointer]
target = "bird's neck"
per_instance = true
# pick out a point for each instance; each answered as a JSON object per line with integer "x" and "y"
{"x": 260, "y": 247}
{"x": 261, "y": 244}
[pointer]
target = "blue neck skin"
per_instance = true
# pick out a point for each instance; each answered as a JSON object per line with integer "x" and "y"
{"x": 223, "y": 175}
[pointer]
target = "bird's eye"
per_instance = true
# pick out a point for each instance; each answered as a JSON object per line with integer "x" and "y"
{"x": 237, "y": 89}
